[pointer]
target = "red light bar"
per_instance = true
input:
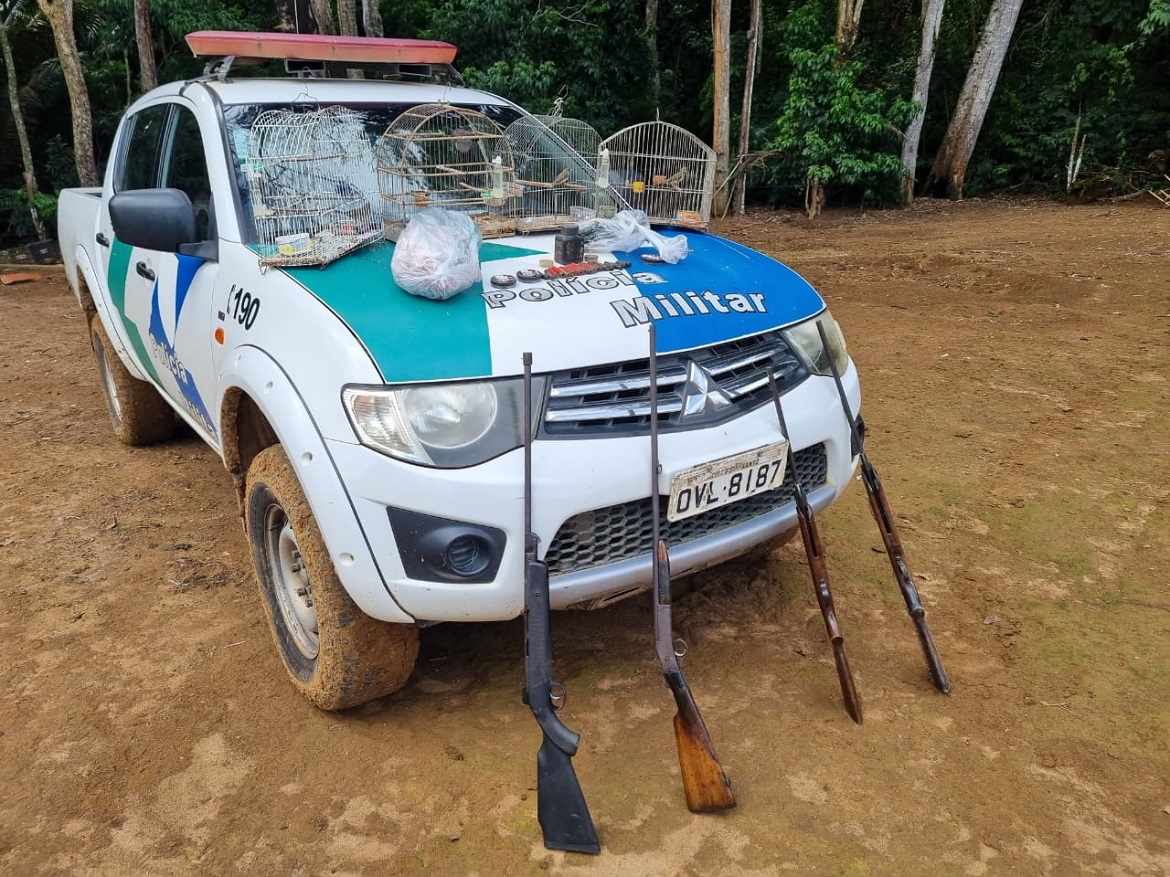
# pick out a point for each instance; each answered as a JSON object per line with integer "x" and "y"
{"x": 319, "y": 47}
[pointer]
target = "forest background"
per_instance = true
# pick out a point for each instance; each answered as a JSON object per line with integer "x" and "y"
{"x": 807, "y": 102}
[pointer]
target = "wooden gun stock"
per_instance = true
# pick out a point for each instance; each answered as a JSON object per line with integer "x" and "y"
{"x": 705, "y": 783}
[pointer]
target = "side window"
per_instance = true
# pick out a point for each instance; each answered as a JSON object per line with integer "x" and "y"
{"x": 141, "y": 158}
{"x": 185, "y": 167}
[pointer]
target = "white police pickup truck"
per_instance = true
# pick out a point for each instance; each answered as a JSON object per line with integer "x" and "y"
{"x": 375, "y": 438}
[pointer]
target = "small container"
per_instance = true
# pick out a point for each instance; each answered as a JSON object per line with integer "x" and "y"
{"x": 569, "y": 246}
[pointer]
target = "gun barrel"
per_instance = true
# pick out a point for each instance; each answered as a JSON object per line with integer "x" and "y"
{"x": 814, "y": 551}
{"x": 879, "y": 507}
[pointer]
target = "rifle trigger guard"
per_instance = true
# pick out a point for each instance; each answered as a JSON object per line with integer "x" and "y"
{"x": 557, "y": 695}
{"x": 680, "y": 648}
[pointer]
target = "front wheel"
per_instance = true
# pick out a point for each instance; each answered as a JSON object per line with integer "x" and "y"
{"x": 337, "y": 655}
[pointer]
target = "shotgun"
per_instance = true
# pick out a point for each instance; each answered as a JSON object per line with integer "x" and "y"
{"x": 885, "y": 521}
{"x": 816, "y": 564}
{"x": 705, "y": 785}
{"x": 560, "y": 804}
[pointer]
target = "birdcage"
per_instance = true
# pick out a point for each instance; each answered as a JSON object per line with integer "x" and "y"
{"x": 439, "y": 155}
{"x": 312, "y": 185}
{"x": 581, "y": 137}
{"x": 556, "y": 176}
{"x": 661, "y": 169}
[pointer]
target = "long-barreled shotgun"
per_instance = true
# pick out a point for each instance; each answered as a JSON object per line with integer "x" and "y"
{"x": 885, "y": 521}
{"x": 705, "y": 784}
{"x": 816, "y": 565}
{"x": 560, "y": 804}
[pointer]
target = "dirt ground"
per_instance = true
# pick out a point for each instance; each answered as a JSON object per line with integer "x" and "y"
{"x": 1015, "y": 360}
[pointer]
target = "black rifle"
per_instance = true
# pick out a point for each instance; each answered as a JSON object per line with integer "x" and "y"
{"x": 560, "y": 804}
{"x": 816, "y": 565}
{"x": 885, "y": 521}
{"x": 705, "y": 785}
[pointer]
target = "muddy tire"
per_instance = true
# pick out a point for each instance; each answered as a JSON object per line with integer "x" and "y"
{"x": 336, "y": 655}
{"x": 139, "y": 414}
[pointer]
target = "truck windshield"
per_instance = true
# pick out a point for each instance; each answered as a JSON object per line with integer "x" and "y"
{"x": 545, "y": 178}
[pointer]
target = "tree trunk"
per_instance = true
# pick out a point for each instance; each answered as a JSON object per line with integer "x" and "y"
{"x": 848, "y": 20}
{"x": 372, "y": 18}
{"x": 286, "y": 16}
{"x": 322, "y": 15}
{"x": 950, "y": 165}
{"x": 60, "y": 16}
{"x": 347, "y": 17}
{"x": 30, "y": 178}
{"x": 721, "y": 129}
{"x": 652, "y": 46}
{"x": 932, "y": 11}
{"x": 147, "y": 75}
{"x": 745, "y": 116}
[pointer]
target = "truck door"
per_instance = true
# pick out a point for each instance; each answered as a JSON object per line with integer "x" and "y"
{"x": 169, "y": 297}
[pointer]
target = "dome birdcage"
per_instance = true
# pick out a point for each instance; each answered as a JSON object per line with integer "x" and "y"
{"x": 661, "y": 169}
{"x": 555, "y": 160}
{"x": 310, "y": 179}
{"x": 455, "y": 158}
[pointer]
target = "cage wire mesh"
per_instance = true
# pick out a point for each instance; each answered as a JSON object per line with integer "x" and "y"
{"x": 661, "y": 169}
{"x": 312, "y": 185}
{"x": 556, "y": 176}
{"x": 439, "y": 155}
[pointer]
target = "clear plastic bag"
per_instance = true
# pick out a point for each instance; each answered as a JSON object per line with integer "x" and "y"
{"x": 629, "y": 230}
{"x": 437, "y": 254}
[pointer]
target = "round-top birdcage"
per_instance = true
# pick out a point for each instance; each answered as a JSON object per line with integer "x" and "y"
{"x": 311, "y": 182}
{"x": 455, "y": 158}
{"x": 580, "y": 136}
{"x": 554, "y": 166}
{"x": 662, "y": 169}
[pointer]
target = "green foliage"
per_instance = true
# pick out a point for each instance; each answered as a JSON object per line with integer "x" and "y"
{"x": 832, "y": 129}
{"x": 18, "y": 218}
{"x": 525, "y": 82}
{"x": 533, "y": 52}
{"x": 1089, "y": 59}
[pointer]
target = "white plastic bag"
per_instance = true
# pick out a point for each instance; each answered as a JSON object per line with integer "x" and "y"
{"x": 437, "y": 254}
{"x": 629, "y": 230}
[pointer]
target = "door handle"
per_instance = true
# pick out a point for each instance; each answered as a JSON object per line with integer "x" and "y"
{"x": 103, "y": 240}
{"x": 144, "y": 271}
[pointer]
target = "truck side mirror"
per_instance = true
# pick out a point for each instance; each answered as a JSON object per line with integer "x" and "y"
{"x": 154, "y": 219}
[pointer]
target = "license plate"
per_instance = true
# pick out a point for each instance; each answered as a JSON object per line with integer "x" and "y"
{"x": 722, "y": 482}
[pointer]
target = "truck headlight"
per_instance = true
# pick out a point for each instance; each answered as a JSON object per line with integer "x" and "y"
{"x": 806, "y": 341}
{"x": 443, "y": 425}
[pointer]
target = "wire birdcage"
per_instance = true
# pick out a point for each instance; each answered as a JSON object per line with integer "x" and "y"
{"x": 661, "y": 169}
{"x": 557, "y": 178}
{"x": 439, "y": 155}
{"x": 581, "y": 136}
{"x": 311, "y": 180}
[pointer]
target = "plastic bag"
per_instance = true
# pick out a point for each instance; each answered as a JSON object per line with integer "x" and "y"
{"x": 437, "y": 254}
{"x": 629, "y": 230}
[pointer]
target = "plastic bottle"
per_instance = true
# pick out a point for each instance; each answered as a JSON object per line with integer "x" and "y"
{"x": 497, "y": 177}
{"x": 603, "y": 169}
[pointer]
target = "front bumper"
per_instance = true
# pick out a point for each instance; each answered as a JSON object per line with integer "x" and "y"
{"x": 573, "y": 477}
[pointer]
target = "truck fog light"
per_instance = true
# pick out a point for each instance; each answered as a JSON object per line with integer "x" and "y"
{"x": 468, "y": 554}
{"x": 434, "y": 549}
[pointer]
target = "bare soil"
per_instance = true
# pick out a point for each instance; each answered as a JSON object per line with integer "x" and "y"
{"x": 1014, "y": 359}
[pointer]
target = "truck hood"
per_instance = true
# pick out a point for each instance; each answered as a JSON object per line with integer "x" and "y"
{"x": 719, "y": 292}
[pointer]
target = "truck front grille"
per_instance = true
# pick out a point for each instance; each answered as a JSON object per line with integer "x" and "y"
{"x": 614, "y": 399}
{"x": 619, "y": 532}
